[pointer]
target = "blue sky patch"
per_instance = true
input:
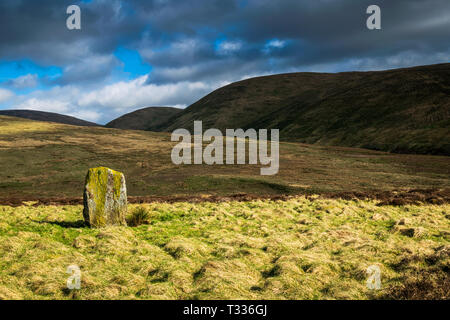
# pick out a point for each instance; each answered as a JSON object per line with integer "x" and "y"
{"x": 14, "y": 69}
{"x": 132, "y": 62}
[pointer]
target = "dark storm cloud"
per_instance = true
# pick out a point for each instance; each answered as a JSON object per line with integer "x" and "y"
{"x": 316, "y": 33}
{"x": 37, "y": 30}
{"x": 181, "y": 39}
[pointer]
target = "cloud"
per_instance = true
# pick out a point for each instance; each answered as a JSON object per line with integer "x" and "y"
{"x": 5, "y": 95}
{"x": 229, "y": 47}
{"x": 49, "y": 105}
{"x": 166, "y": 30}
{"x": 191, "y": 47}
{"x": 91, "y": 69}
{"x": 275, "y": 43}
{"x": 110, "y": 101}
{"x": 125, "y": 95}
{"x": 23, "y": 82}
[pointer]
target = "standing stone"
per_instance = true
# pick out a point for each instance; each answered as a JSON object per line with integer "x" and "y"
{"x": 105, "y": 197}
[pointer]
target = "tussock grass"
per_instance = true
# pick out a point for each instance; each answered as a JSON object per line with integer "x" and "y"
{"x": 140, "y": 215}
{"x": 297, "y": 249}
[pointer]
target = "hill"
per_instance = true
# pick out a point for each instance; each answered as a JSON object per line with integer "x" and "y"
{"x": 143, "y": 119}
{"x": 402, "y": 110}
{"x": 47, "y": 116}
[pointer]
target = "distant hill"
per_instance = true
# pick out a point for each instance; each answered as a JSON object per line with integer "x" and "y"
{"x": 144, "y": 119}
{"x": 47, "y": 116}
{"x": 402, "y": 110}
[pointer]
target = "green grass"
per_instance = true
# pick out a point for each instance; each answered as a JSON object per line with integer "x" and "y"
{"x": 296, "y": 249}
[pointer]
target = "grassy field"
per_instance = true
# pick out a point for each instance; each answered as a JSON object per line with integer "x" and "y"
{"x": 41, "y": 160}
{"x": 297, "y": 249}
{"x": 305, "y": 246}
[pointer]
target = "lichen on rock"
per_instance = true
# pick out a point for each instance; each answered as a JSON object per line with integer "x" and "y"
{"x": 105, "y": 197}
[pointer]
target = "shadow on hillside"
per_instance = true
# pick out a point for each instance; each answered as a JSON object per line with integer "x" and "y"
{"x": 66, "y": 224}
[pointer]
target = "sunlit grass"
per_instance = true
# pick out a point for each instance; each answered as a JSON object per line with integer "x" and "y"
{"x": 11, "y": 126}
{"x": 296, "y": 249}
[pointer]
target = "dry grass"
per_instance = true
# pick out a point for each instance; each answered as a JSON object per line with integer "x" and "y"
{"x": 50, "y": 160}
{"x": 296, "y": 249}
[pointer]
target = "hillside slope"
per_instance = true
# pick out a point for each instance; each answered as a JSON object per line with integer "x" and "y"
{"x": 402, "y": 110}
{"x": 143, "y": 119}
{"x": 47, "y": 116}
{"x": 50, "y": 160}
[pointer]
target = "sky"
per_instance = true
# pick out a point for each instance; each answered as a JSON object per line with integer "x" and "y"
{"x": 134, "y": 54}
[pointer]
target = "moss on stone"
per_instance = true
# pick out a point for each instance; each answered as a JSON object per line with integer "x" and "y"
{"x": 117, "y": 183}
{"x": 96, "y": 212}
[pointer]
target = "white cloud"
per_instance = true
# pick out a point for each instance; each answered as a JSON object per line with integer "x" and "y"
{"x": 227, "y": 47}
{"x": 26, "y": 81}
{"x": 110, "y": 101}
{"x": 58, "y": 99}
{"x": 124, "y": 95}
{"x": 275, "y": 43}
{"x": 49, "y": 105}
{"x": 5, "y": 95}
